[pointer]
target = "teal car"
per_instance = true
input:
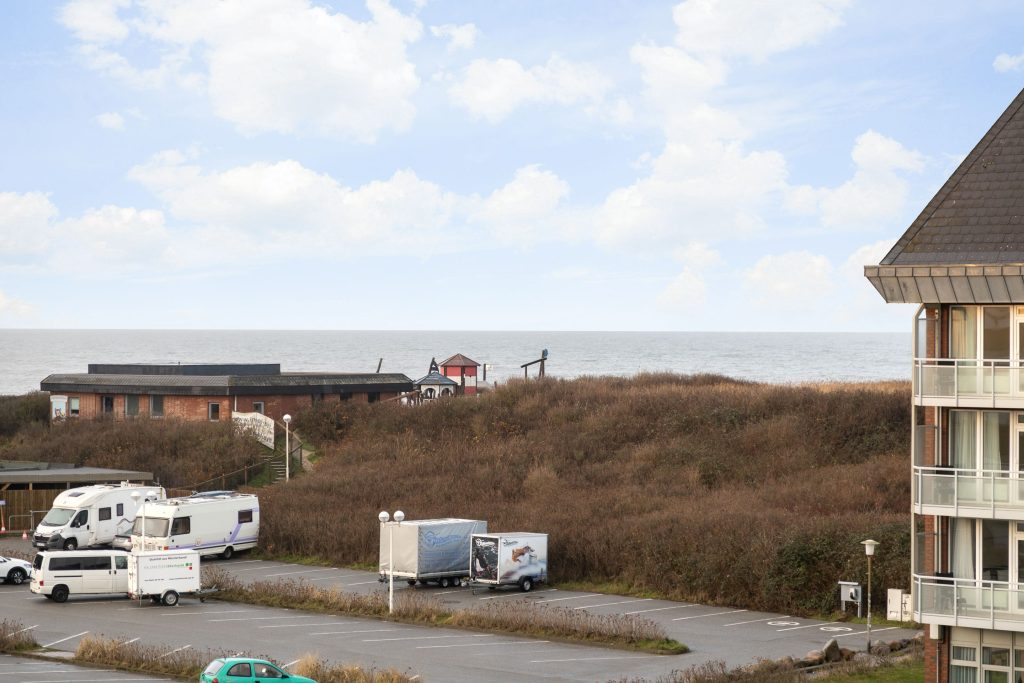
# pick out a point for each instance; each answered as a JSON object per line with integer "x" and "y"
{"x": 246, "y": 670}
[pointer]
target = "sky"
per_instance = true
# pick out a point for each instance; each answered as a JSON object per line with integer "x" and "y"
{"x": 706, "y": 165}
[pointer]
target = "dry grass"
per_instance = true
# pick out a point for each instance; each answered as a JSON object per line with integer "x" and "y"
{"x": 615, "y": 630}
{"x": 14, "y": 637}
{"x": 695, "y": 488}
{"x": 311, "y": 666}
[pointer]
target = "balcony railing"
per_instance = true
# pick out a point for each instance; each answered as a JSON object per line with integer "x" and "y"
{"x": 948, "y": 381}
{"x": 996, "y": 494}
{"x": 962, "y": 602}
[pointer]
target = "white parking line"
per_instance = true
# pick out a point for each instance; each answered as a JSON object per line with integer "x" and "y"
{"x": 661, "y": 609}
{"x": 96, "y": 680}
{"x": 168, "y": 654}
{"x": 291, "y": 663}
{"x": 338, "y": 633}
{"x": 573, "y": 597}
{"x": 332, "y": 623}
{"x": 127, "y": 642}
{"x": 457, "y": 590}
{"x": 794, "y": 628}
{"x": 302, "y": 616}
{"x": 516, "y": 594}
{"x": 511, "y": 642}
{"x": 244, "y": 562}
{"x": 362, "y": 583}
{"x": 27, "y": 628}
{"x": 256, "y": 569}
{"x": 185, "y": 614}
{"x": 609, "y": 604}
{"x": 592, "y": 659}
{"x": 713, "y": 614}
{"x": 305, "y": 571}
{"x": 860, "y": 633}
{"x": 754, "y": 621}
{"x": 77, "y": 635}
{"x": 388, "y": 640}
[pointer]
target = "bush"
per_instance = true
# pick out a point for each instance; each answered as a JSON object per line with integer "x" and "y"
{"x": 15, "y": 637}
{"x": 18, "y": 412}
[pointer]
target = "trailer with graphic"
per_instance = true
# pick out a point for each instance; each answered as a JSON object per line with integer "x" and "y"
{"x": 428, "y": 549}
{"x": 164, "y": 575}
{"x": 509, "y": 559}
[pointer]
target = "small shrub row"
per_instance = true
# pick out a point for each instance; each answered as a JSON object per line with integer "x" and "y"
{"x": 14, "y": 637}
{"x": 20, "y": 412}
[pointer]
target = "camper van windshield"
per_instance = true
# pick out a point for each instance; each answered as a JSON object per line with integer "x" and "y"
{"x": 57, "y": 517}
{"x": 155, "y": 526}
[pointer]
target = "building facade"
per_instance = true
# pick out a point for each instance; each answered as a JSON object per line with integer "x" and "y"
{"x": 208, "y": 392}
{"x": 462, "y": 370}
{"x": 962, "y": 262}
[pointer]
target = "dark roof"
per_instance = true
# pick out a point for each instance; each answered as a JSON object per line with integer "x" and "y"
{"x": 458, "y": 360}
{"x": 227, "y": 385}
{"x": 436, "y": 378}
{"x": 977, "y": 218}
{"x": 79, "y": 475}
{"x": 179, "y": 369}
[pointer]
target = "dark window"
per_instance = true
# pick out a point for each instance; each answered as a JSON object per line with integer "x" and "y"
{"x": 131, "y": 405}
{"x": 346, "y": 396}
{"x": 65, "y": 564}
{"x": 107, "y": 404}
{"x": 120, "y": 562}
{"x": 156, "y": 406}
{"x": 73, "y": 406}
{"x": 267, "y": 671}
{"x": 258, "y": 407}
{"x": 244, "y": 516}
{"x": 373, "y": 397}
{"x": 181, "y": 525}
{"x": 213, "y": 412}
{"x": 104, "y": 514}
{"x": 243, "y": 669}
{"x": 81, "y": 519}
{"x": 96, "y": 563}
{"x": 120, "y": 507}
{"x": 317, "y": 398}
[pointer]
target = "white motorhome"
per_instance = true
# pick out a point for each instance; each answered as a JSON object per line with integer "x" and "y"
{"x": 90, "y": 516}
{"x": 58, "y": 575}
{"x": 218, "y": 522}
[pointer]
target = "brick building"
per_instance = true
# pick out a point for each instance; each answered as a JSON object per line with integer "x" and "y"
{"x": 208, "y": 392}
{"x": 962, "y": 260}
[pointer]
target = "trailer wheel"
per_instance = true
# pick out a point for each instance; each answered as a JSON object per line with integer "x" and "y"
{"x": 60, "y": 593}
{"x": 444, "y": 582}
{"x": 228, "y": 553}
{"x": 170, "y": 598}
{"x": 411, "y": 582}
{"x": 526, "y": 584}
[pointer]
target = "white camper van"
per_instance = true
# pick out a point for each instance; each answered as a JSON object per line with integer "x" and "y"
{"x": 58, "y": 575}
{"x": 218, "y": 522}
{"x": 90, "y": 516}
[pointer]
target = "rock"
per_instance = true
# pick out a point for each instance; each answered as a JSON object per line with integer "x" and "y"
{"x": 881, "y": 649}
{"x": 895, "y": 645}
{"x": 864, "y": 659}
{"x": 847, "y": 653}
{"x": 814, "y": 658}
{"x": 831, "y": 651}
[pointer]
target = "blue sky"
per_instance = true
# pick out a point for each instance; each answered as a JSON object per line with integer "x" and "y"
{"x": 615, "y": 165}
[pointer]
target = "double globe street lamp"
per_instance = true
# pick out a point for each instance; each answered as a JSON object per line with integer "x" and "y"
{"x": 383, "y": 517}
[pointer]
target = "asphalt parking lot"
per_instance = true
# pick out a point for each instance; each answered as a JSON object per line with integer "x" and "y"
{"x": 26, "y": 670}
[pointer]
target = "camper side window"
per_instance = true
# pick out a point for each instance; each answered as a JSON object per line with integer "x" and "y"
{"x": 104, "y": 514}
{"x": 181, "y": 525}
{"x": 120, "y": 509}
{"x": 244, "y": 516}
{"x": 120, "y": 562}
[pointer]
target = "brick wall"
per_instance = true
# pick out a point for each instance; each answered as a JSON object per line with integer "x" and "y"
{"x": 936, "y": 665}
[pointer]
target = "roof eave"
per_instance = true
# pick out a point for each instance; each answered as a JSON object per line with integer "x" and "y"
{"x": 945, "y": 284}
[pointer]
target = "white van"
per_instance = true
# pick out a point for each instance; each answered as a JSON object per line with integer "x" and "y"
{"x": 90, "y": 516}
{"x": 219, "y": 522}
{"x": 59, "y": 574}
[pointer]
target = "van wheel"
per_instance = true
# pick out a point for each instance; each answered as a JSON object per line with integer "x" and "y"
{"x": 526, "y": 584}
{"x": 17, "y": 576}
{"x": 59, "y": 593}
{"x": 411, "y": 582}
{"x": 71, "y": 544}
{"x": 444, "y": 582}
{"x": 228, "y": 553}
{"x": 170, "y": 598}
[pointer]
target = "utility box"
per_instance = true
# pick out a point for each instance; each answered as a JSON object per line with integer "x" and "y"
{"x": 849, "y": 591}
{"x": 898, "y": 605}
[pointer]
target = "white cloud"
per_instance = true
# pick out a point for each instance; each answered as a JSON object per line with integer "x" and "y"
{"x": 25, "y": 224}
{"x": 789, "y": 281}
{"x": 459, "y": 36}
{"x": 1006, "y": 62}
{"x": 12, "y": 306}
{"x": 698, "y": 255}
{"x": 275, "y": 65}
{"x": 520, "y": 212}
{"x": 111, "y": 120}
{"x": 686, "y": 292}
{"x": 494, "y": 88}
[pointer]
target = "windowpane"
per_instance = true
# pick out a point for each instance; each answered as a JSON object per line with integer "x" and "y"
{"x": 73, "y": 405}
{"x": 131, "y": 405}
{"x": 965, "y": 654}
{"x": 995, "y": 561}
{"x": 961, "y": 438}
{"x": 120, "y": 562}
{"x": 963, "y": 331}
{"x": 156, "y": 406}
{"x": 104, "y": 514}
{"x": 996, "y": 342}
{"x": 996, "y": 656}
{"x": 181, "y": 525}
{"x": 996, "y": 441}
{"x": 963, "y": 674}
{"x": 244, "y": 516}
{"x": 214, "y": 412}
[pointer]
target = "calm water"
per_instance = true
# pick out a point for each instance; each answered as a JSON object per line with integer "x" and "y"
{"x": 27, "y": 356}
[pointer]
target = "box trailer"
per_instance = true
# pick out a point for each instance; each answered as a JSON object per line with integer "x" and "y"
{"x": 428, "y": 549}
{"x": 92, "y": 516}
{"x": 163, "y": 575}
{"x": 508, "y": 559}
{"x": 219, "y": 522}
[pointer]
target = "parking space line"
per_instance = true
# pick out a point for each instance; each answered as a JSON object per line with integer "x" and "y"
{"x": 388, "y": 640}
{"x": 609, "y": 604}
{"x": 754, "y": 621}
{"x": 168, "y": 654}
{"x": 510, "y": 642}
{"x": 271, "y": 566}
{"x": 244, "y": 562}
{"x": 291, "y": 663}
{"x": 457, "y": 590}
{"x": 362, "y": 583}
{"x": 860, "y": 633}
{"x": 660, "y": 609}
{"x": 333, "y": 623}
{"x": 713, "y": 614}
{"x": 77, "y": 635}
{"x": 95, "y": 680}
{"x": 338, "y": 633}
{"x": 794, "y": 628}
{"x": 300, "y": 616}
{"x": 305, "y": 571}
{"x": 573, "y": 597}
{"x": 592, "y": 659}
{"x": 513, "y": 595}
{"x": 27, "y": 628}
{"x": 185, "y": 614}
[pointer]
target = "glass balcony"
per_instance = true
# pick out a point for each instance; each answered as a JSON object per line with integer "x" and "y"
{"x": 971, "y": 383}
{"x": 976, "y": 604}
{"x": 993, "y": 494}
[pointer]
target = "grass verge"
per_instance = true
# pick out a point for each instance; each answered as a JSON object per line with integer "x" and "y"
{"x": 14, "y": 637}
{"x": 613, "y": 630}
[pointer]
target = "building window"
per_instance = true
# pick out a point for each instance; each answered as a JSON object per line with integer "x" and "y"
{"x": 995, "y": 662}
{"x": 213, "y": 412}
{"x": 131, "y": 405}
{"x": 107, "y": 405}
{"x": 156, "y": 406}
{"x": 74, "y": 406}
{"x": 995, "y": 550}
{"x": 372, "y": 397}
{"x": 258, "y": 407}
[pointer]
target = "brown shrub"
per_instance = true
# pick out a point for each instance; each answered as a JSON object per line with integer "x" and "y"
{"x": 311, "y": 666}
{"x": 15, "y": 637}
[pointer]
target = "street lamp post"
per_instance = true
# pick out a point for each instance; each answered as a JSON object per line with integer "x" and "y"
{"x": 383, "y": 517}
{"x": 287, "y": 448}
{"x": 869, "y": 550}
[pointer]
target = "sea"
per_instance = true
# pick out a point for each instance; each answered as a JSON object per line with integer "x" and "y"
{"x": 28, "y": 356}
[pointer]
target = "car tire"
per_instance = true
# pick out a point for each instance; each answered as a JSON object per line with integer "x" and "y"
{"x": 444, "y": 582}
{"x": 526, "y": 584}
{"x": 170, "y": 598}
{"x": 17, "y": 576}
{"x": 228, "y": 553}
{"x": 60, "y": 594}
{"x": 71, "y": 544}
